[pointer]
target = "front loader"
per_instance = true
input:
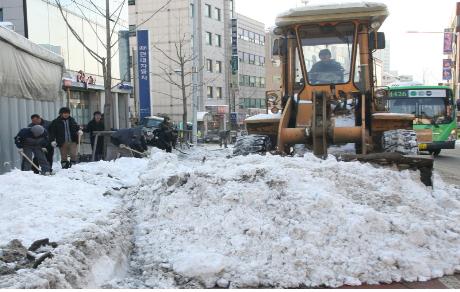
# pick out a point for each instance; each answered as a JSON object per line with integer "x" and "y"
{"x": 314, "y": 86}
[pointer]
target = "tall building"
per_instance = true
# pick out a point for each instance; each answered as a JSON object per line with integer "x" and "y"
{"x": 171, "y": 40}
{"x": 42, "y": 23}
{"x": 272, "y": 65}
{"x": 252, "y": 59}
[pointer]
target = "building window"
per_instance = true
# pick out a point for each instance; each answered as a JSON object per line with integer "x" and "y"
{"x": 131, "y": 2}
{"x": 246, "y": 80}
{"x": 262, "y": 61}
{"x": 132, "y": 30}
{"x": 252, "y": 81}
{"x": 209, "y": 65}
{"x": 217, "y": 13}
{"x": 218, "y": 40}
{"x": 262, "y": 82}
{"x": 208, "y": 38}
{"x": 209, "y": 92}
{"x": 252, "y": 37}
{"x": 207, "y": 10}
{"x": 191, "y": 10}
{"x": 218, "y": 67}
{"x": 257, "y": 81}
{"x": 218, "y": 92}
{"x": 1, "y": 14}
{"x": 252, "y": 59}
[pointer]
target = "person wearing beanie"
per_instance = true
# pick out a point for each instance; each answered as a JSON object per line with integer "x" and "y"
{"x": 31, "y": 142}
{"x": 37, "y": 120}
{"x": 64, "y": 133}
{"x": 96, "y": 124}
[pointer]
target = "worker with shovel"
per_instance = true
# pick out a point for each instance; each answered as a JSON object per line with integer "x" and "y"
{"x": 31, "y": 143}
{"x": 65, "y": 133}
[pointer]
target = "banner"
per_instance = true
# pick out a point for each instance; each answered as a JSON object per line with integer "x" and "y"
{"x": 448, "y": 38}
{"x": 143, "y": 71}
{"x": 446, "y": 69}
{"x": 235, "y": 46}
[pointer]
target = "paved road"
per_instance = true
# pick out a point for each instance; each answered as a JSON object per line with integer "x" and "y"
{"x": 447, "y": 164}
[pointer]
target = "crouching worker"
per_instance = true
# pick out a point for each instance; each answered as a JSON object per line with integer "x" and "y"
{"x": 130, "y": 142}
{"x": 31, "y": 143}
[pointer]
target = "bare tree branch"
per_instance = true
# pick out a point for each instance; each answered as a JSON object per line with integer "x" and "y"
{"x": 95, "y": 55}
{"x": 90, "y": 24}
{"x": 117, "y": 19}
{"x": 167, "y": 56}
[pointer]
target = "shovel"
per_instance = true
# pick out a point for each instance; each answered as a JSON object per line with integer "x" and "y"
{"x": 28, "y": 159}
{"x": 132, "y": 150}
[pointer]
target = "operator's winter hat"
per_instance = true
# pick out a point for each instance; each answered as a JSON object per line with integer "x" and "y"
{"x": 97, "y": 113}
{"x": 325, "y": 52}
{"x": 64, "y": 110}
{"x": 37, "y": 130}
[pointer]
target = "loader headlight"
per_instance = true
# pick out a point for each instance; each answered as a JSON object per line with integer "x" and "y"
{"x": 453, "y": 135}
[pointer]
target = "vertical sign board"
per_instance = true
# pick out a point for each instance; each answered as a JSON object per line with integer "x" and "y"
{"x": 448, "y": 39}
{"x": 143, "y": 64}
{"x": 234, "y": 46}
{"x": 447, "y": 69}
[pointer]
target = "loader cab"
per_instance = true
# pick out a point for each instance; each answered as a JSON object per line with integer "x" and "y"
{"x": 329, "y": 47}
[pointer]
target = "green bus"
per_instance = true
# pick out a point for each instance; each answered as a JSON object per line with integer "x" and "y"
{"x": 434, "y": 110}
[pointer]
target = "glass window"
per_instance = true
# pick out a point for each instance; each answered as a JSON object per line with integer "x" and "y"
{"x": 262, "y": 82}
{"x": 252, "y": 81}
{"x": 257, "y": 81}
{"x": 218, "y": 67}
{"x": 245, "y": 57}
{"x": 218, "y": 40}
{"x": 252, "y": 37}
{"x": 131, "y": 2}
{"x": 333, "y": 45}
{"x": 191, "y": 10}
{"x": 209, "y": 92}
{"x": 207, "y": 10}
{"x": 208, "y": 38}
{"x": 132, "y": 30}
{"x": 240, "y": 33}
{"x": 252, "y": 59}
{"x": 1, "y": 14}
{"x": 218, "y": 92}
{"x": 241, "y": 79}
{"x": 262, "y": 40}
{"x": 246, "y": 80}
{"x": 245, "y": 35}
{"x": 217, "y": 13}
{"x": 209, "y": 65}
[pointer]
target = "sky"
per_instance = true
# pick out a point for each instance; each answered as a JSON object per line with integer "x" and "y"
{"x": 417, "y": 54}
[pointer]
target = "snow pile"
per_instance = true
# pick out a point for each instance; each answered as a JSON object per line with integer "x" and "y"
{"x": 289, "y": 222}
{"x": 77, "y": 208}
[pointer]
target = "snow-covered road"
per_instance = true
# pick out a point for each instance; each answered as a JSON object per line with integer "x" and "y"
{"x": 206, "y": 220}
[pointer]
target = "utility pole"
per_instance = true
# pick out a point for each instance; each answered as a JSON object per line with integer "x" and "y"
{"x": 108, "y": 115}
{"x": 195, "y": 72}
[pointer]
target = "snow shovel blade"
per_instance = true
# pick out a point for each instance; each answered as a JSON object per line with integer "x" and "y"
{"x": 403, "y": 162}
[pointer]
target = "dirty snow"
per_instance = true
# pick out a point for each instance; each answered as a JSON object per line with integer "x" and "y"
{"x": 205, "y": 220}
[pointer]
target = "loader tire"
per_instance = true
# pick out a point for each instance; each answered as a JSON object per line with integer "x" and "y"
{"x": 400, "y": 141}
{"x": 252, "y": 144}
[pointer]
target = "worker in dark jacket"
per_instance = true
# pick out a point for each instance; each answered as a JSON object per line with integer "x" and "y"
{"x": 166, "y": 135}
{"x": 37, "y": 120}
{"x": 96, "y": 124}
{"x": 65, "y": 133}
{"x": 31, "y": 143}
{"x": 132, "y": 138}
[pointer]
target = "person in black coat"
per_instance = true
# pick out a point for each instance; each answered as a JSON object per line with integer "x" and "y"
{"x": 96, "y": 124}
{"x": 166, "y": 135}
{"x": 65, "y": 133}
{"x": 131, "y": 137}
{"x": 31, "y": 142}
{"x": 37, "y": 120}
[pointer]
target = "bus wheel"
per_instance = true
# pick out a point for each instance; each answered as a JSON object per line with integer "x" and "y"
{"x": 435, "y": 153}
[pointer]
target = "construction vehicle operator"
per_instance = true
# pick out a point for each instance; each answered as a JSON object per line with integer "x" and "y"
{"x": 326, "y": 70}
